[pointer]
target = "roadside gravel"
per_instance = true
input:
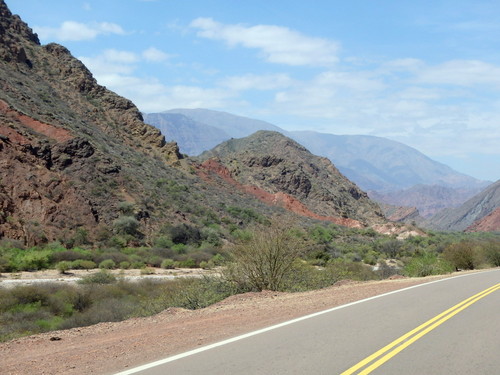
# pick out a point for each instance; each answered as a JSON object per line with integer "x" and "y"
{"x": 107, "y": 348}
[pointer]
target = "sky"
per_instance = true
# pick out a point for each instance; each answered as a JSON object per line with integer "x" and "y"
{"x": 425, "y": 73}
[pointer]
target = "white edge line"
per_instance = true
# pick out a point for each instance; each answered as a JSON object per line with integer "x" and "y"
{"x": 258, "y": 332}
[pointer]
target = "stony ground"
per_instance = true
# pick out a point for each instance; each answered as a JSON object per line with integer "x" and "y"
{"x": 107, "y": 348}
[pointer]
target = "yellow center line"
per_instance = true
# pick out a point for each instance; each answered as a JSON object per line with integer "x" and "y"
{"x": 416, "y": 333}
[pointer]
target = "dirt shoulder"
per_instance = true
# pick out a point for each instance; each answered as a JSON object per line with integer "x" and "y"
{"x": 106, "y": 348}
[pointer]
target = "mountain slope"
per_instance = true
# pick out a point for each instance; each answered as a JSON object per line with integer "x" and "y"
{"x": 192, "y": 136}
{"x": 475, "y": 209}
{"x": 379, "y": 164}
{"x": 234, "y": 126}
{"x": 278, "y": 165}
{"x": 429, "y": 199}
{"x": 77, "y": 161}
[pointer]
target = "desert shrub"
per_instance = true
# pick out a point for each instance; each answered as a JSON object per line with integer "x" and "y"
{"x": 185, "y": 234}
{"x": 126, "y": 225}
{"x": 168, "y": 264}
{"x": 69, "y": 255}
{"x": 4, "y": 263}
{"x": 83, "y": 264}
{"x": 198, "y": 293}
{"x": 105, "y": 310}
{"x": 8, "y": 243}
{"x": 115, "y": 256}
{"x": 34, "y": 260}
{"x": 187, "y": 263}
{"x": 125, "y": 265}
{"x": 101, "y": 277}
{"x": 163, "y": 242}
{"x": 63, "y": 266}
{"x": 266, "y": 259}
{"x": 107, "y": 264}
{"x": 427, "y": 264}
{"x": 491, "y": 252}
{"x": 463, "y": 255}
{"x": 179, "y": 248}
{"x": 391, "y": 248}
{"x": 342, "y": 269}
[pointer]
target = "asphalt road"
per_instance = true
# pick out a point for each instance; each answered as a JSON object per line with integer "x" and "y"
{"x": 446, "y": 327}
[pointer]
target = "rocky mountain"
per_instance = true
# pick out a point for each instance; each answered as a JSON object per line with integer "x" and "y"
{"x": 78, "y": 163}
{"x": 481, "y": 208}
{"x": 280, "y": 170}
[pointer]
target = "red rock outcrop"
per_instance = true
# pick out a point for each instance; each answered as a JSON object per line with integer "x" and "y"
{"x": 278, "y": 199}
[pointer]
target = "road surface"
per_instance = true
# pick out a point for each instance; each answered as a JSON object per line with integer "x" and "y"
{"x": 451, "y": 326}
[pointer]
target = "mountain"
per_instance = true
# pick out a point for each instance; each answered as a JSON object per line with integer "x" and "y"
{"x": 233, "y": 125}
{"x": 379, "y": 164}
{"x": 192, "y": 136}
{"x": 284, "y": 171}
{"x": 373, "y": 163}
{"x": 429, "y": 199}
{"x": 472, "y": 212}
{"x": 79, "y": 165}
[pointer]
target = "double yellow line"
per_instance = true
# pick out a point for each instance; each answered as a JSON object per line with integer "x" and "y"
{"x": 389, "y": 351}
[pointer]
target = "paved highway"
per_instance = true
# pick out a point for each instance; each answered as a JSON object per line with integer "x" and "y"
{"x": 447, "y": 327}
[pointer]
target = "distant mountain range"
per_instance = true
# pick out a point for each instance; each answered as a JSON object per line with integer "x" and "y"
{"x": 390, "y": 171}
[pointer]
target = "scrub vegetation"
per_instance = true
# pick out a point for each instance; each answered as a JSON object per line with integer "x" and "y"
{"x": 273, "y": 256}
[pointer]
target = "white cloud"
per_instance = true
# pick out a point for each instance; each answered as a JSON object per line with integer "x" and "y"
{"x": 461, "y": 73}
{"x": 155, "y": 55}
{"x": 257, "y": 82}
{"x": 76, "y": 31}
{"x": 277, "y": 44}
{"x": 111, "y": 61}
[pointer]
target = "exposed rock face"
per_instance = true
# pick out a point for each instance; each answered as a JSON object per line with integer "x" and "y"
{"x": 278, "y": 165}
{"x": 36, "y": 78}
{"x": 474, "y": 210}
{"x": 64, "y": 141}
{"x": 400, "y": 214}
{"x": 489, "y": 223}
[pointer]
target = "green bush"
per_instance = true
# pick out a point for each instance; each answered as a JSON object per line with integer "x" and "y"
{"x": 63, "y": 266}
{"x": 107, "y": 264}
{"x": 83, "y": 264}
{"x": 168, "y": 264}
{"x": 101, "y": 277}
{"x": 126, "y": 225}
{"x": 427, "y": 264}
{"x": 492, "y": 253}
{"x": 124, "y": 265}
{"x": 464, "y": 255}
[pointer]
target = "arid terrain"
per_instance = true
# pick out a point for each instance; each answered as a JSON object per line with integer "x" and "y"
{"x": 106, "y": 348}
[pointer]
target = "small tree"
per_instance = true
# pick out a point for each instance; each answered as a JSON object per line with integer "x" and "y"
{"x": 263, "y": 261}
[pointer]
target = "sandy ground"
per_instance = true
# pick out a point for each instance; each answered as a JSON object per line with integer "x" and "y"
{"x": 107, "y": 348}
{"x": 11, "y": 279}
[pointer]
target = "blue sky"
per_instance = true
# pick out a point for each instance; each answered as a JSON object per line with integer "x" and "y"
{"x": 426, "y": 73}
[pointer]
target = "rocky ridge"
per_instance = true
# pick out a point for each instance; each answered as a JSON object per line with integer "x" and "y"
{"x": 278, "y": 165}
